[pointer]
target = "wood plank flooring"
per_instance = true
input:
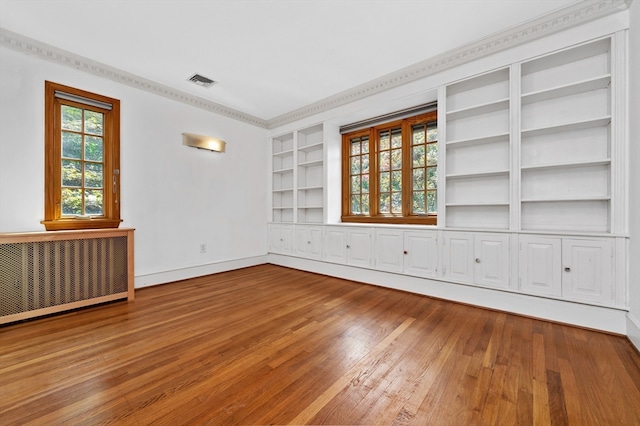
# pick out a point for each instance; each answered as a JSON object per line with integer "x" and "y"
{"x": 271, "y": 345}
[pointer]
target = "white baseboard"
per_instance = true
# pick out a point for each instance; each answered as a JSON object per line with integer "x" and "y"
{"x": 147, "y": 280}
{"x": 633, "y": 330}
{"x": 593, "y": 317}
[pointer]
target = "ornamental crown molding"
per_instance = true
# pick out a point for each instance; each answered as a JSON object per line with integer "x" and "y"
{"x": 62, "y": 57}
{"x": 562, "y": 19}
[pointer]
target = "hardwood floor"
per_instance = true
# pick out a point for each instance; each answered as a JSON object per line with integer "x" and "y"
{"x": 271, "y": 345}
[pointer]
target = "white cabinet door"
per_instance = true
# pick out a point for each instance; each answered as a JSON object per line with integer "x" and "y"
{"x": 586, "y": 270}
{"x": 492, "y": 259}
{"x": 458, "y": 256}
{"x": 335, "y": 245}
{"x": 388, "y": 250}
{"x": 540, "y": 263}
{"x": 359, "y": 247}
{"x": 280, "y": 239}
{"x": 308, "y": 241}
{"x": 421, "y": 253}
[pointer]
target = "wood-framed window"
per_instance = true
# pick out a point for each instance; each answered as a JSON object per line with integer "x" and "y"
{"x": 389, "y": 172}
{"x": 82, "y": 159}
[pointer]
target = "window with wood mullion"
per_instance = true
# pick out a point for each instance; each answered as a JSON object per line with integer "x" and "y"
{"x": 397, "y": 174}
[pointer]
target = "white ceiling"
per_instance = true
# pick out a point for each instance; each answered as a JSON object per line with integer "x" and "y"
{"x": 269, "y": 57}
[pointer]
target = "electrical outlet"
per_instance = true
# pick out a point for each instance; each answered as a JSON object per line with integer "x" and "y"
{"x": 203, "y": 248}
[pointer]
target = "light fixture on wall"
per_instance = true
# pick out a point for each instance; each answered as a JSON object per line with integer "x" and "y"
{"x": 203, "y": 142}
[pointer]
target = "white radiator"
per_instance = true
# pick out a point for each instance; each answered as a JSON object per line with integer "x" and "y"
{"x": 48, "y": 272}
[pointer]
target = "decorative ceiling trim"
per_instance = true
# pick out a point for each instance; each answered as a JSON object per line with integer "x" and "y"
{"x": 62, "y": 57}
{"x": 565, "y": 18}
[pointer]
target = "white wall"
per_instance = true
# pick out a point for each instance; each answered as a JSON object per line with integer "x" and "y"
{"x": 175, "y": 196}
{"x": 633, "y": 323}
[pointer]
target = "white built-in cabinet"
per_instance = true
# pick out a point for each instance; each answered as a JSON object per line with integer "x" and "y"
{"x": 298, "y": 176}
{"x": 532, "y": 172}
{"x": 477, "y": 258}
{"x": 578, "y": 269}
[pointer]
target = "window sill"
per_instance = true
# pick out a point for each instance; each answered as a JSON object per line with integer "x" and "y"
{"x": 73, "y": 224}
{"x": 429, "y": 220}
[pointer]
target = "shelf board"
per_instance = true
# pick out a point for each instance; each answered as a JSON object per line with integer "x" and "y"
{"x": 478, "y": 174}
{"x": 282, "y": 208}
{"x": 497, "y": 105}
{"x": 567, "y": 127}
{"x": 478, "y": 204}
{"x": 461, "y": 143}
{"x": 311, "y": 163}
{"x": 283, "y": 153}
{"x": 310, "y": 188}
{"x": 572, "y": 164}
{"x": 559, "y": 199}
{"x": 283, "y": 190}
{"x": 282, "y": 171}
{"x": 313, "y": 147}
{"x": 588, "y": 85}
{"x": 310, "y": 207}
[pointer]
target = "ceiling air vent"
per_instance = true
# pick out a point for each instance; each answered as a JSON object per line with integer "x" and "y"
{"x": 201, "y": 80}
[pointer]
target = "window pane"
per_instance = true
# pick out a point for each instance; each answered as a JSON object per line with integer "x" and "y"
{"x": 355, "y": 204}
{"x": 418, "y": 203}
{"x": 71, "y": 173}
{"x": 365, "y": 146}
{"x": 396, "y": 202}
{"x": 71, "y": 118}
{"x": 355, "y": 165}
{"x": 365, "y": 163}
{"x": 396, "y": 138}
{"x": 355, "y": 146}
{"x": 418, "y": 156}
{"x": 355, "y": 184}
{"x": 384, "y": 140}
{"x": 418, "y": 135}
{"x": 432, "y": 132}
{"x": 396, "y": 159}
{"x": 365, "y": 204}
{"x": 385, "y": 205}
{"x": 93, "y": 148}
{"x": 93, "y": 122}
{"x": 71, "y": 201}
{"x": 396, "y": 181}
{"x": 384, "y": 182}
{"x": 93, "y": 175}
{"x": 432, "y": 178}
{"x": 418, "y": 179}
{"x": 432, "y": 154}
{"x": 432, "y": 206}
{"x": 385, "y": 163}
{"x": 93, "y": 201}
{"x": 71, "y": 145}
{"x": 365, "y": 184}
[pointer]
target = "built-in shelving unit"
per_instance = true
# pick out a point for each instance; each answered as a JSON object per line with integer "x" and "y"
{"x": 298, "y": 176}
{"x": 565, "y": 138}
{"x": 478, "y": 152}
{"x": 282, "y": 178}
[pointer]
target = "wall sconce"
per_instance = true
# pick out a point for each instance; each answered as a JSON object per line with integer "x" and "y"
{"x": 203, "y": 142}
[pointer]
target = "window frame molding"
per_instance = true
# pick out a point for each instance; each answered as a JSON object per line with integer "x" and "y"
{"x": 53, "y": 219}
{"x": 374, "y": 215}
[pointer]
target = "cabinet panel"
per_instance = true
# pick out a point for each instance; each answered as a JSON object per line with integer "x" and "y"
{"x": 492, "y": 260}
{"x": 308, "y": 241}
{"x": 335, "y": 245}
{"x": 586, "y": 270}
{"x": 421, "y": 254}
{"x": 540, "y": 265}
{"x": 359, "y": 247}
{"x": 281, "y": 239}
{"x": 389, "y": 250}
{"x": 458, "y": 256}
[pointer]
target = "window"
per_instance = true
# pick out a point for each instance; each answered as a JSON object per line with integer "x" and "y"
{"x": 82, "y": 164}
{"x": 389, "y": 172}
